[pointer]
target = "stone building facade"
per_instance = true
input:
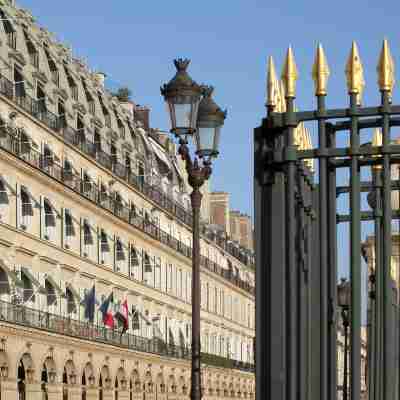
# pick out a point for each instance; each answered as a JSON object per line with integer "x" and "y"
{"x": 90, "y": 200}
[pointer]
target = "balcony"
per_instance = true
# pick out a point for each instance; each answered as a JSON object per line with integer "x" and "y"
{"x": 24, "y": 316}
{"x": 58, "y": 125}
{"x": 92, "y": 192}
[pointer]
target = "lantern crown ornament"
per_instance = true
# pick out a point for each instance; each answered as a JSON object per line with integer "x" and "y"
{"x": 355, "y": 73}
{"x": 385, "y": 69}
{"x": 209, "y": 122}
{"x": 289, "y": 74}
{"x": 320, "y": 72}
{"x": 272, "y": 85}
{"x": 182, "y": 96}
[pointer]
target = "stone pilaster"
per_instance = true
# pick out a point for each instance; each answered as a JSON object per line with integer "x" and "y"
{"x": 74, "y": 392}
{"x": 55, "y": 391}
{"x": 108, "y": 394}
{"x": 92, "y": 393}
{"x": 9, "y": 389}
{"x": 33, "y": 391}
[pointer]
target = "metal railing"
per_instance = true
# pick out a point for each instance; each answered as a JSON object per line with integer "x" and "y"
{"x": 25, "y": 316}
{"x": 58, "y": 124}
{"x": 92, "y": 192}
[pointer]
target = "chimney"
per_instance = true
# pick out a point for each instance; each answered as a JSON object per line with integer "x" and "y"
{"x": 142, "y": 114}
{"x": 128, "y": 106}
{"x": 100, "y": 77}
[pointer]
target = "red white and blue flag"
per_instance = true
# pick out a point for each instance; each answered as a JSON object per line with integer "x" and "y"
{"x": 122, "y": 315}
{"x": 108, "y": 318}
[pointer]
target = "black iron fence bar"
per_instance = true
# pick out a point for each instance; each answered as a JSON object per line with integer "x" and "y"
{"x": 277, "y": 119}
{"x": 91, "y": 191}
{"x": 387, "y": 251}
{"x": 364, "y": 124}
{"x": 364, "y": 216}
{"x": 355, "y": 251}
{"x": 58, "y": 124}
{"x": 367, "y": 187}
{"x": 22, "y": 315}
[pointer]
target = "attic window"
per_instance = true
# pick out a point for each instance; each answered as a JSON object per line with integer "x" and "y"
{"x": 107, "y": 116}
{"x": 33, "y": 53}
{"x": 89, "y": 98}
{"x": 9, "y": 30}
{"x": 55, "y": 77}
{"x": 72, "y": 84}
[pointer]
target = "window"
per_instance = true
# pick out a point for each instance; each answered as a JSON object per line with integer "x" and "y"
{"x": 71, "y": 305}
{"x": 49, "y": 219}
{"x": 51, "y": 295}
{"x": 107, "y": 116}
{"x": 119, "y": 251}
{"x": 41, "y": 98}
{"x": 104, "y": 246}
{"x": 215, "y": 299}
{"x": 55, "y": 76}
{"x": 97, "y": 140}
{"x": 26, "y": 208}
{"x": 69, "y": 227}
{"x": 147, "y": 263}
{"x": 3, "y": 193}
{"x": 114, "y": 156}
{"x": 28, "y": 291}
{"x": 72, "y": 85}
{"x": 89, "y": 98}
{"x": 87, "y": 238}
{"x": 141, "y": 173}
{"x": 62, "y": 122}
{"x": 33, "y": 53}
{"x": 121, "y": 128}
{"x": 9, "y": 30}
{"x": 80, "y": 130}
{"x": 87, "y": 183}
{"x": 19, "y": 82}
{"x": 47, "y": 157}
{"x": 128, "y": 162}
{"x": 134, "y": 260}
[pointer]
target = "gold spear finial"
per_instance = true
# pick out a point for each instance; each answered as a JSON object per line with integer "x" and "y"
{"x": 282, "y": 96}
{"x": 377, "y": 142}
{"x": 385, "y": 69}
{"x": 272, "y": 95}
{"x": 355, "y": 73}
{"x": 320, "y": 72}
{"x": 289, "y": 74}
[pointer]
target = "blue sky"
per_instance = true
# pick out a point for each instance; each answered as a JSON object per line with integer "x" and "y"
{"x": 228, "y": 42}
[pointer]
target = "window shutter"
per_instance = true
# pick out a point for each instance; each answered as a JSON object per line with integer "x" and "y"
{"x": 18, "y": 210}
{"x": 42, "y": 217}
{"x": 63, "y": 228}
{"x": 81, "y": 235}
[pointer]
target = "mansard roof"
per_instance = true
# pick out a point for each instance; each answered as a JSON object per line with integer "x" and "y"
{"x": 67, "y": 78}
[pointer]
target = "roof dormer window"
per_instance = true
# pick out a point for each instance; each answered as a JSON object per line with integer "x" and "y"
{"x": 55, "y": 76}
{"x": 107, "y": 116}
{"x": 89, "y": 98}
{"x": 72, "y": 84}
{"x": 32, "y": 51}
{"x": 9, "y": 30}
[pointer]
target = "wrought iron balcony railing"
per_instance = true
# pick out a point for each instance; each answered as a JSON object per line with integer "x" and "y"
{"x": 92, "y": 192}
{"x": 25, "y": 316}
{"x": 58, "y": 124}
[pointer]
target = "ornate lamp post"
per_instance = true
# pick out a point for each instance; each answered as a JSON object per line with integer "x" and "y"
{"x": 193, "y": 112}
{"x": 344, "y": 301}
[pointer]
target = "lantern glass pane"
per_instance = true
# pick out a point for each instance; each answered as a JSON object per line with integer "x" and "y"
{"x": 216, "y": 141}
{"x": 205, "y": 141}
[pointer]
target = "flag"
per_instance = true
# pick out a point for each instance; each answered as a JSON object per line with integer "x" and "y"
{"x": 108, "y": 318}
{"x": 135, "y": 319}
{"x": 89, "y": 302}
{"x": 122, "y": 315}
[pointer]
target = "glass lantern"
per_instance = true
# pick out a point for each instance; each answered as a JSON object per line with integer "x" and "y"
{"x": 209, "y": 123}
{"x": 182, "y": 96}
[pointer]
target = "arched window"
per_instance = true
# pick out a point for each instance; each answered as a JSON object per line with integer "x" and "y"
{"x": 71, "y": 305}
{"x": 3, "y": 193}
{"x": 69, "y": 226}
{"x": 51, "y": 295}
{"x": 4, "y": 283}
{"x": 26, "y": 208}
{"x": 28, "y": 291}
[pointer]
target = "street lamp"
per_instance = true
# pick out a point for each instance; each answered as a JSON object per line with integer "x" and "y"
{"x": 344, "y": 301}
{"x": 193, "y": 112}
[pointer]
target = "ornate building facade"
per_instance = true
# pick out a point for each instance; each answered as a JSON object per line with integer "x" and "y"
{"x": 94, "y": 207}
